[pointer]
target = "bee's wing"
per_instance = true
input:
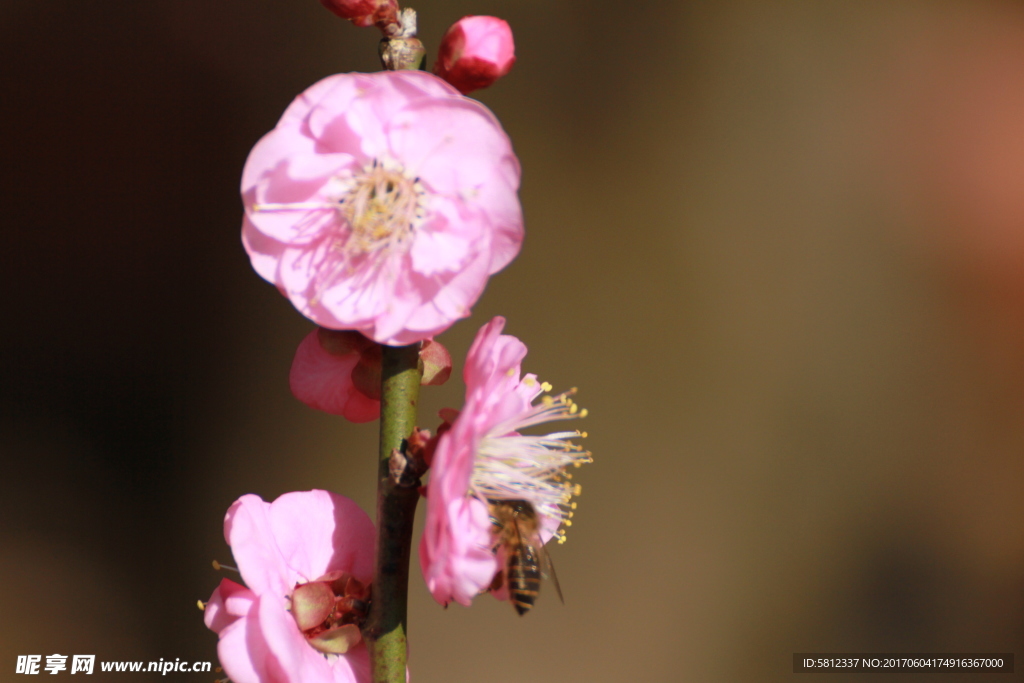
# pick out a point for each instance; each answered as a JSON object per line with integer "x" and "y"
{"x": 548, "y": 567}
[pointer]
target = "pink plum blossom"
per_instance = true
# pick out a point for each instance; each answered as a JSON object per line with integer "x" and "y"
{"x": 304, "y": 543}
{"x": 483, "y": 457}
{"x": 382, "y": 203}
{"x": 335, "y": 372}
{"x": 338, "y": 372}
{"x": 475, "y": 52}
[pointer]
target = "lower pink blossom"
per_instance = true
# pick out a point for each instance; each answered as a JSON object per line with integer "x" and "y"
{"x": 483, "y": 458}
{"x": 304, "y": 542}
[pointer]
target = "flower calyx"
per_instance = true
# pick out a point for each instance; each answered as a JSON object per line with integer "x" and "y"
{"x": 435, "y": 362}
{"x": 330, "y": 611}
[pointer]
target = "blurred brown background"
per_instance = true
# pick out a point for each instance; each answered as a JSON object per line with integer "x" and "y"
{"x": 779, "y": 246}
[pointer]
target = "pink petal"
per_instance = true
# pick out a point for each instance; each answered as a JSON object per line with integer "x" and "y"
{"x": 423, "y": 137}
{"x": 332, "y": 87}
{"x": 456, "y": 297}
{"x": 245, "y": 656}
{"x": 288, "y": 646}
{"x": 323, "y": 381}
{"x": 302, "y": 663}
{"x": 455, "y": 555}
{"x": 248, "y": 530}
{"x": 361, "y": 408}
{"x": 264, "y": 252}
{"x": 230, "y": 601}
{"x": 319, "y": 531}
{"x": 437, "y": 251}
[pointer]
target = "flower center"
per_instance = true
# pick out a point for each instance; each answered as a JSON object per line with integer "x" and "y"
{"x": 514, "y": 466}
{"x": 382, "y": 205}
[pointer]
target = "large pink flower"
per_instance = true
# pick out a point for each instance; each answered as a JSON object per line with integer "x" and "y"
{"x": 484, "y": 458}
{"x": 292, "y": 552}
{"x": 381, "y": 203}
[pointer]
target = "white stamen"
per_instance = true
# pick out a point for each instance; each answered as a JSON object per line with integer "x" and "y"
{"x": 512, "y": 466}
{"x": 377, "y": 211}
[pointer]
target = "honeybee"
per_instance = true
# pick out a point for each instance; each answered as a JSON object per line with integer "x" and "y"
{"x": 526, "y": 560}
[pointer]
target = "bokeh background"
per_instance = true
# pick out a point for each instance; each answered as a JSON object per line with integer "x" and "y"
{"x": 779, "y": 246}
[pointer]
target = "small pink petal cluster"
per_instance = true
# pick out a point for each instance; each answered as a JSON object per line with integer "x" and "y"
{"x": 363, "y": 12}
{"x": 475, "y": 52}
{"x": 338, "y": 372}
{"x": 334, "y": 371}
{"x": 484, "y": 458}
{"x": 382, "y": 203}
{"x": 304, "y": 549}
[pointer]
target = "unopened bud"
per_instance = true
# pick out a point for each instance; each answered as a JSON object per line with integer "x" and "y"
{"x": 475, "y": 52}
{"x": 364, "y": 12}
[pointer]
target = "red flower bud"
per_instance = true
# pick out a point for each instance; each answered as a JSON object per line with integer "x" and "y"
{"x": 475, "y": 52}
{"x": 364, "y": 12}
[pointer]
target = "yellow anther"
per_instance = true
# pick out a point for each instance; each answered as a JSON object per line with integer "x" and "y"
{"x": 573, "y": 409}
{"x": 577, "y": 490}
{"x": 218, "y": 566}
{"x": 201, "y": 604}
{"x": 584, "y": 435}
{"x": 573, "y": 506}
{"x": 584, "y": 412}
{"x": 568, "y": 522}
{"x": 577, "y": 464}
{"x": 545, "y": 386}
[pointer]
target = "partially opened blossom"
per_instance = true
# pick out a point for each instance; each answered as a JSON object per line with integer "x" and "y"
{"x": 307, "y": 561}
{"x": 484, "y": 458}
{"x": 338, "y": 372}
{"x": 382, "y": 203}
{"x": 475, "y": 52}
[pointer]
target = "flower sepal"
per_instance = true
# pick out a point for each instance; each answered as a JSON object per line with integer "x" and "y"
{"x": 337, "y": 640}
{"x": 312, "y": 604}
{"x": 436, "y": 363}
{"x": 330, "y": 611}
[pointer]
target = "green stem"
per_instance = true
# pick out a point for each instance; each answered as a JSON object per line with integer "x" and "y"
{"x": 385, "y": 627}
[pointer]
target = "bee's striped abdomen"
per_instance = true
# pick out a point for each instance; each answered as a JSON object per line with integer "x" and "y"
{"x": 523, "y": 574}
